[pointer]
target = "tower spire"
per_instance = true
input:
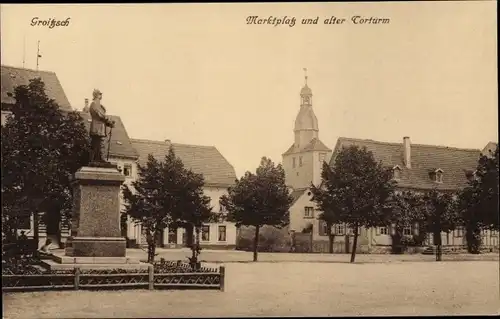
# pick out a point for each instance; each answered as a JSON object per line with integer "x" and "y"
{"x": 305, "y": 75}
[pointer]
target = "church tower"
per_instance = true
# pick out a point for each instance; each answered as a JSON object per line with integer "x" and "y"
{"x": 303, "y": 161}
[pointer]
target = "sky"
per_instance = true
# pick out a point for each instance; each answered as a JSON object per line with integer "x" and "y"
{"x": 199, "y": 74}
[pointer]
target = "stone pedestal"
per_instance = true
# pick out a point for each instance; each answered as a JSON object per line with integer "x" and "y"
{"x": 95, "y": 230}
{"x": 96, "y": 240}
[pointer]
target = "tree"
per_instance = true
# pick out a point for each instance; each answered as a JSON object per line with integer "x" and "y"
{"x": 471, "y": 218}
{"x": 325, "y": 199}
{"x": 439, "y": 214}
{"x": 404, "y": 213}
{"x": 486, "y": 190}
{"x": 356, "y": 190}
{"x": 478, "y": 202}
{"x": 166, "y": 194}
{"x": 42, "y": 147}
{"x": 259, "y": 199}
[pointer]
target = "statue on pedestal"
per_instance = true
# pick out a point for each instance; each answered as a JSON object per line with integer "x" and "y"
{"x": 98, "y": 128}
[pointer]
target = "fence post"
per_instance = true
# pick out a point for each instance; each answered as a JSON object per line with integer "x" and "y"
{"x": 77, "y": 277}
{"x": 151, "y": 277}
{"x": 222, "y": 277}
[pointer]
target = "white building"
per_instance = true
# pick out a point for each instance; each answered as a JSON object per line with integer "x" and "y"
{"x": 218, "y": 173}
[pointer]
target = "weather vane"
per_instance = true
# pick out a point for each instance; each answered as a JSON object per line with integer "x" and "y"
{"x": 305, "y": 74}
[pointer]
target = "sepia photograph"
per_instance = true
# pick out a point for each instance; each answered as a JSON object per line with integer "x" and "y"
{"x": 249, "y": 159}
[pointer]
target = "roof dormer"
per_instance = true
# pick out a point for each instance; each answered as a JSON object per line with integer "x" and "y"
{"x": 436, "y": 175}
{"x": 396, "y": 172}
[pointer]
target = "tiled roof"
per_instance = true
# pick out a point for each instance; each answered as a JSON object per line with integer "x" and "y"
{"x": 314, "y": 145}
{"x": 206, "y": 160}
{"x": 297, "y": 193}
{"x": 423, "y": 158}
{"x": 120, "y": 145}
{"x": 13, "y": 77}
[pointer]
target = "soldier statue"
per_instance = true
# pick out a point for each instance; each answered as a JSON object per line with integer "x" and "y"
{"x": 98, "y": 128}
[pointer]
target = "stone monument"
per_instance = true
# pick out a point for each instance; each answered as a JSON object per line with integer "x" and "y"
{"x": 95, "y": 240}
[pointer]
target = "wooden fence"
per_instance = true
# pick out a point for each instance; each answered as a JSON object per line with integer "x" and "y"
{"x": 113, "y": 279}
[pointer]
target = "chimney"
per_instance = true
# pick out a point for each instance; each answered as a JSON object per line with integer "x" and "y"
{"x": 407, "y": 151}
{"x": 86, "y": 106}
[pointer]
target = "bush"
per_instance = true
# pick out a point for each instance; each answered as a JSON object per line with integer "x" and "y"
{"x": 419, "y": 239}
{"x": 270, "y": 239}
{"x": 473, "y": 240}
{"x": 244, "y": 243}
{"x": 21, "y": 266}
{"x": 408, "y": 241}
{"x": 303, "y": 243}
{"x": 308, "y": 229}
{"x": 164, "y": 266}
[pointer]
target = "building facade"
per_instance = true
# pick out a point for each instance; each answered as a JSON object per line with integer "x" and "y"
{"x": 219, "y": 175}
{"x": 415, "y": 166}
{"x": 127, "y": 154}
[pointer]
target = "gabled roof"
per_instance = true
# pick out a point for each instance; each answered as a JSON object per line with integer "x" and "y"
{"x": 120, "y": 145}
{"x": 12, "y": 77}
{"x": 314, "y": 145}
{"x": 424, "y": 158}
{"x": 297, "y": 193}
{"x": 206, "y": 160}
{"x": 489, "y": 149}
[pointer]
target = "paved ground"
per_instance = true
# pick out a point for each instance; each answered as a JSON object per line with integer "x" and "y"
{"x": 228, "y": 256}
{"x": 292, "y": 289}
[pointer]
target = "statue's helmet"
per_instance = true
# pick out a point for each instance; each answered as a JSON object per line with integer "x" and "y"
{"x": 96, "y": 93}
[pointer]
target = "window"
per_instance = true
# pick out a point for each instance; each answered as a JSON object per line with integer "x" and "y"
{"x": 494, "y": 233}
{"x": 350, "y": 231}
{"x": 293, "y": 163}
{"x": 323, "y": 228}
{"x": 339, "y": 229}
{"x": 127, "y": 170}
{"x": 184, "y": 237}
{"x": 172, "y": 235}
{"x": 300, "y": 160}
{"x": 439, "y": 177}
{"x": 308, "y": 212}
{"x": 205, "y": 233}
{"x": 396, "y": 173}
{"x": 222, "y": 214}
{"x": 407, "y": 231}
{"x": 383, "y": 231}
{"x": 322, "y": 157}
{"x": 222, "y": 233}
